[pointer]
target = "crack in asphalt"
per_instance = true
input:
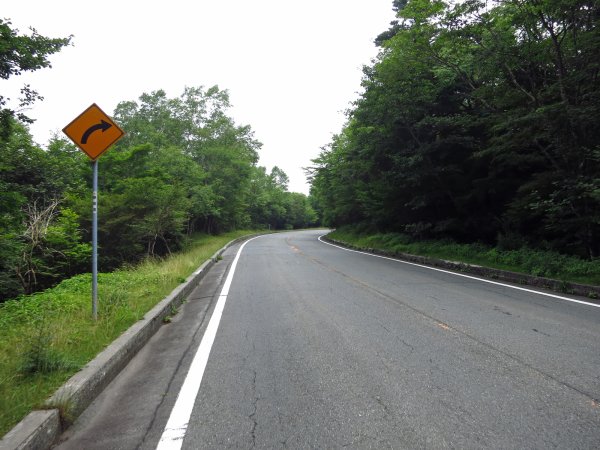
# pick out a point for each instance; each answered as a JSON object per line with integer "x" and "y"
{"x": 386, "y": 409}
{"x": 252, "y": 416}
{"x": 399, "y": 339}
{"x": 179, "y": 365}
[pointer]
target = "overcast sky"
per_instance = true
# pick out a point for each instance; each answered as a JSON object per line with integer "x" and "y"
{"x": 291, "y": 67}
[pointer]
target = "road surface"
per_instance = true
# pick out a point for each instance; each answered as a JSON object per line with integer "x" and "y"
{"x": 320, "y": 347}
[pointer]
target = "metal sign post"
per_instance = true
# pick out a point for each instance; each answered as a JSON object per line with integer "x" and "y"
{"x": 95, "y": 240}
{"x": 94, "y": 132}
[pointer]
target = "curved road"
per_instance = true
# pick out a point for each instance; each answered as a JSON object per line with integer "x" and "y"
{"x": 319, "y": 347}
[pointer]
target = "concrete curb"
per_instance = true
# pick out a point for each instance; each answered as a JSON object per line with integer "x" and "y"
{"x": 40, "y": 429}
{"x": 37, "y": 430}
{"x": 591, "y": 292}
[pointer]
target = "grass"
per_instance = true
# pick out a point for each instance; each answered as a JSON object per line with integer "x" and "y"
{"x": 46, "y": 337}
{"x": 525, "y": 260}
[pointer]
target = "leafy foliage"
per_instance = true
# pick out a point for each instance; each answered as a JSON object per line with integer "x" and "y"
{"x": 476, "y": 124}
{"x": 543, "y": 263}
{"x": 18, "y": 54}
{"x": 183, "y": 166}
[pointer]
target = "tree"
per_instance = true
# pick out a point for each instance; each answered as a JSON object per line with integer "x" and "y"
{"x": 23, "y": 181}
{"x": 40, "y": 239}
{"x": 183, "y": 166}
{"x": 395, "y": 27}
{"x": 476, "y": 123}
{"x": 197, "y": 125}
{"x": 18, "y": 54}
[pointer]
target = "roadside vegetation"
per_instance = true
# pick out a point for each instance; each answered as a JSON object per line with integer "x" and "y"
{"x": 48, "y": 336}
{"x": 182, "y": 182}
{"x": 183, "y": 166}
{"x": 478, "y": 124}
{"x": 549, "y": 264}
{"x": 475, "y": 139}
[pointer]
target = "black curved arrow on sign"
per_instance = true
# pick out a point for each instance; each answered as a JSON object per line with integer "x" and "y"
{"x": 103, "y": 125}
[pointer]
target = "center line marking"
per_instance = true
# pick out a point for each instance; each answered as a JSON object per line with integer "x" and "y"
{"x": 174, "y": 432}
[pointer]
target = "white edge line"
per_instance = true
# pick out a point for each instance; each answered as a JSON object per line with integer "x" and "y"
{"x": 462, "y": 275}
{"x": 175, "y": 430}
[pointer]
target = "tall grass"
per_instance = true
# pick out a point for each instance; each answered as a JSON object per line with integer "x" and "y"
{"x": 525, "y": 260}
{"x": 46, "y": 337}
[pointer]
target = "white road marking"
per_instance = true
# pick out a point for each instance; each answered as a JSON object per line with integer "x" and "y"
{"x": 174, "y": 432}
{"x": 464, "y": 276}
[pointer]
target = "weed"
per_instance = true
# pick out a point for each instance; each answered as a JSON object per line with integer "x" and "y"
{"x": 65, "y": 406}
{"x": 47, "y": 337}
{"x": 506, "y": 256}
{"x": 39, "y": 356}
{"x": 172, "y": 311}
{"x": 111, "y": 298}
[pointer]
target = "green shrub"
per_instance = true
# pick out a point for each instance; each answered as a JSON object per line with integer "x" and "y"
{"x": 541, "y": 263}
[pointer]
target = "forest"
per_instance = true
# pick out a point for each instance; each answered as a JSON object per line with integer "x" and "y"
{"x": 478, "y": 123}
{"x": 184, "y": 166}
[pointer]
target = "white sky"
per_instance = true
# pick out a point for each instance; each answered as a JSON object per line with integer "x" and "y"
{"x": 291, "y": 67}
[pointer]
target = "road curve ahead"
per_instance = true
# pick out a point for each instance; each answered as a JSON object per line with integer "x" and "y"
{"x": 319, "y": 347}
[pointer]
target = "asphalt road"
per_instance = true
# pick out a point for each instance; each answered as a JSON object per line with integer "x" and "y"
{"x": 319, "y": 347}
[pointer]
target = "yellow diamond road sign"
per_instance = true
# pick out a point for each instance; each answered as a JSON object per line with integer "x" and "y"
{"x": 93, "y": 131}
